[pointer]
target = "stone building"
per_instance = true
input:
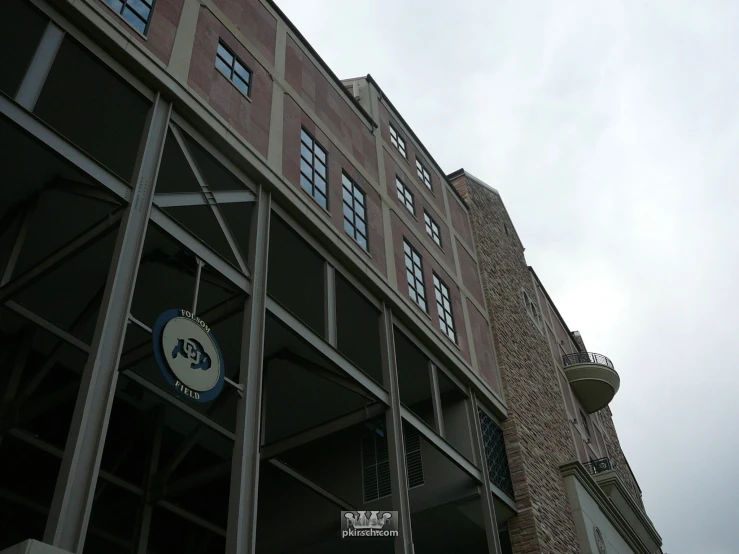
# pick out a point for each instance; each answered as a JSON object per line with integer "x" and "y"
{"x": 239, "y": 298}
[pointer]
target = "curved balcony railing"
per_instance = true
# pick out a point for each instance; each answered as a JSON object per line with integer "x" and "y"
{"x": 586, "y": 358}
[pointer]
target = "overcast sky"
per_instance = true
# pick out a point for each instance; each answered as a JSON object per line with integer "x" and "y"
{"x": 611, "y": 130}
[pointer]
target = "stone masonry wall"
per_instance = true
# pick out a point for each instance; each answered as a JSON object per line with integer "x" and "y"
{"x": 618, "y": 459}
{"x": 537, "y": 436}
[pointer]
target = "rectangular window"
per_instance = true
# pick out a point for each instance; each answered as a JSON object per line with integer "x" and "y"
{"x": 585, "y": 425}
{"x": 233, "y": 69}
{"x": 137, "y": 13}
{"x": 532, "y": 310}
{"x": 444, "y": 305}
{"x": 405, "y": 195}
{"x": 423, "y": 174}
{"x": 414, "y": 273}
{"x": 432, "y": 228}
{"x": 495, "y": 453}
{"x": 313, "y": 175}
{"x": 397, "y": 141}
{"x": 355, "y": 211}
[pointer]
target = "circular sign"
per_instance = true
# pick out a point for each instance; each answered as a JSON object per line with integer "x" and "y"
{"x": 188, "y": 355}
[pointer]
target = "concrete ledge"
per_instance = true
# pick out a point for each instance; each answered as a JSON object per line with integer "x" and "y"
{"x": 622, "y": 522}
{"x": 32, "y": 546}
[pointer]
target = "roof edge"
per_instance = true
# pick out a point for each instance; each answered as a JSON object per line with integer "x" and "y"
{"x": 384, "y": 96}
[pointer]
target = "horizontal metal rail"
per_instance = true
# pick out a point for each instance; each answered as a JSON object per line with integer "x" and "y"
{"x": 586, "y": 358}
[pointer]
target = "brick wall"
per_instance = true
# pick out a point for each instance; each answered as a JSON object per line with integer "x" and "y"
{"x": 538, "y": 439}
{"x": 249, "y": 117}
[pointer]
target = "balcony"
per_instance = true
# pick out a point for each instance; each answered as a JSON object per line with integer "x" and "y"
{"x": 592, "y": 378}
{"x": 600, "y": 465}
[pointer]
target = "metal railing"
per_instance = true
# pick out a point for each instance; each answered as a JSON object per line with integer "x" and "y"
{"x": 598, "y": 466}
{"x": 586, "y": 358}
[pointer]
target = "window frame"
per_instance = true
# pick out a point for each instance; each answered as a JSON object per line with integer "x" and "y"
{"x": 432, "y": 226}
{"x": 405, "y": 195}
{"x": 313, "y": 147}
{"x": 124, "y": 6}
{"x": 398, "y": 141}
{"x": 355, "y": 188}
{"x": 414, "y": 281}
{"x": 532, "y": 310}
{"x": 424, "y": 175}
{"x": 446, "y": 323}
{"x": 233, "y": 75}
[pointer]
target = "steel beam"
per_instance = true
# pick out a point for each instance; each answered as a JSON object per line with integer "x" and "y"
{"x": 56, "y": 352}
{"x": 444, "y": 447}
{"x": 436, "y": 399}
{"x": 84, "y": 190}
{"x": 319, "y": 431}
{"x": 242, "y": 508}
{"x": 490, "y": 521}
{"x": 197, "y": 480}
{"x": 38, "y": 70}
{"x": 328, "y": 351}
{"x": 87, "y": 237}
{"x": 28, "y": 123}
{"x": 66, "y": 526}
{"x": 210, "y": 198}
{"x": 324, "y": 373}
{"x": 174, "y": 199}
{"x": 329, "y": 295}
{"x": 20, "y": 239}
{"x": 343, "y": 504}
{"x": 426, "y": 352}
{"x": 179, "y": 404}
{"x": 48, "y": 325}
{"x": 395, "y": 438}
{"x": 199, "y": 248}
{"x": 197, "y": 520}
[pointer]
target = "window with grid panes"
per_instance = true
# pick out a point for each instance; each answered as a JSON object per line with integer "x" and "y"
{"x": 233, "y": 69}
{"x": 444, "y": 305}
{"x": 432, "y": 229}
{"x": 414, "y": 273}
{"x": 355, "y": 211}
{"x": 495, "y": 453}
{"x": 397, "y": 141}
{"x": 313, "y": 176}
{"x": 423, "y": 174}
{"x": 137, "y": 13}
{"x": 405, "y": 195}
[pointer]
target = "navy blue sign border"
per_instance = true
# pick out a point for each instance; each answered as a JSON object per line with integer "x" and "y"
{"x": 157, "y": 331}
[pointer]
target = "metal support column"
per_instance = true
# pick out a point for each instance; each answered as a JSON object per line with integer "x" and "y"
{"x": 242, "y": 508}
{"x": 66, "y": 526}
{"x": 329, "y": 293}
{"x": 35, "y": 77}
{"x": 486, "y": 495}
{"x": 436, "y": 399}
{"x": 394, "y": 425}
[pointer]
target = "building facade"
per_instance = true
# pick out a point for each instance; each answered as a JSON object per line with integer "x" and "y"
{"x": 238, "y": 297}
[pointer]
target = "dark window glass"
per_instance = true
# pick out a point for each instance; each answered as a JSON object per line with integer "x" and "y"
{"x": 233, "y": 69}
{"x": 397, "y": 141}
{"x": 414, "y": 273}
{"x": 136, "y": 12}
{"x": 405, "y": 195}
{"x": 355, "y": 211}
{"x": 444, "y": 305}
{"x": 423, "y": 174}
{"x": 432, "y": 228}
{"x": 313, "y": 168}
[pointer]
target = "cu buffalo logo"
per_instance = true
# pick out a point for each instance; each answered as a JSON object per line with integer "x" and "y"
{"x": 188, "y": 355}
